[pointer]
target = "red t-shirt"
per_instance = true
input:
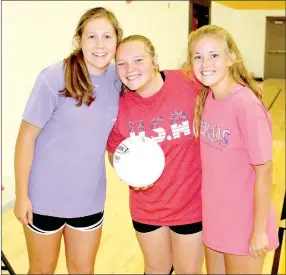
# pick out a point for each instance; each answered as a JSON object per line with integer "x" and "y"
{"x": 166, "y": 117}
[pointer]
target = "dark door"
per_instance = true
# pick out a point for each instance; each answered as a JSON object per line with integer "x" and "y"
{"x": 275, "y": 52}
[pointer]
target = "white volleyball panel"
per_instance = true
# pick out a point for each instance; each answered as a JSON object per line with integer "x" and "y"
{"x": 139, "y": 161}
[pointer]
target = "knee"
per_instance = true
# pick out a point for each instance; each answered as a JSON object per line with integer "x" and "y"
{"x": 188, "y": 270}
{"x": 158, "y": 268}
{"x": 43, "y": 268}
{"x": 81, "y": 268}
{"x": 188, "y": 267}
{"x": 192, "y": 271}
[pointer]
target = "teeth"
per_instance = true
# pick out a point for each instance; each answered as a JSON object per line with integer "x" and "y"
{"x": 132, "y": 77}
{"x": 99, "y": 54}
{"x": 207, "y": 73}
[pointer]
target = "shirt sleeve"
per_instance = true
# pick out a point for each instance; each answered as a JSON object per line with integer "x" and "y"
{"x": 256, "y": 128}
{"x": 115, "y": 138}
{"x": 41, "y": 104}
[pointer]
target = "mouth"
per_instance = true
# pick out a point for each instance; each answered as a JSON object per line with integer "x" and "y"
{"x": 133, "y": 77}
{"x": 207, "y": 73}
{"x": 99, "y": 54}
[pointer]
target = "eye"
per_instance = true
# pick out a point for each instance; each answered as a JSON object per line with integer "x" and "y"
{"x": 120, "y": 64}
{"x": 197, "y": 57}
{"x": 91, "y": 36}
{"x": 214, "y": 55}
{"x": 138, "y": 60}
{"x": 107, "y": 37}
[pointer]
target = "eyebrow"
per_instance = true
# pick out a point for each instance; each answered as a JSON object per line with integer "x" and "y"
{"x": 210, "y": 52}
{"x": 103, "y": 32}
{"x": 120, "y": 60}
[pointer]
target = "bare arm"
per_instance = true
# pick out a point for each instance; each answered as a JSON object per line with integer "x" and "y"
{"x": 258, "y": 243}
{"x": 262, "y": 196}
{"x": 24, "y": 156}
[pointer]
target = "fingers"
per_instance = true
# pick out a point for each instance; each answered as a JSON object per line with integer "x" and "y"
{"x": 23, "y": 210}
{"x": 146, "y": 187}
{"x": 256, "y": 253}
{"x": 261, "y": 252}
{"x": 30, "y": 216}
{"x": 23, "y": 219}
{"x": 142, "y": 188}
{"x": 250, "y": 250}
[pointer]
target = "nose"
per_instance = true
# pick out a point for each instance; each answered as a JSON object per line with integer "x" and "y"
{"x": 206, "y": 62}
{"x": 130, "y": 67}
{"x": 99, "y": 43}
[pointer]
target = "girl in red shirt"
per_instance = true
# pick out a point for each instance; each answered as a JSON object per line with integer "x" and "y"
{"x": 159, "y": 104}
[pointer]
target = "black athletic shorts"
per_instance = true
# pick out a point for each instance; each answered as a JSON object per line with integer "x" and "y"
{"x": 47, "y": 225}
{"x": 184, "y": 229}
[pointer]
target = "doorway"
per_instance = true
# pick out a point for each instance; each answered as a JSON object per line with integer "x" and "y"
{"x": 199, "y": 14}
{"x": 275, "y": 51}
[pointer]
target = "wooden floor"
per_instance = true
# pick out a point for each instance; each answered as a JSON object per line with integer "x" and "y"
{"x": 119, "y": 252}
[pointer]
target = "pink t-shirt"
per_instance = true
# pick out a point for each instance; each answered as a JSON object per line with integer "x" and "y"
{"x": 236, "y": 133}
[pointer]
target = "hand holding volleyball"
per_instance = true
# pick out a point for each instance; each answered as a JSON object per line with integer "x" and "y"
{"x": 139, "y": 161}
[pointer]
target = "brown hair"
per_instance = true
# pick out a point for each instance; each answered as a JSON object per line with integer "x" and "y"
{"x": 237, "y": 71}
{"x": 77, "y": 81}
{"x": 149, "y": 47}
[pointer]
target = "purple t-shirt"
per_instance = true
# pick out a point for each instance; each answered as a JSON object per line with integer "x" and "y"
{"x": 68, "y": 176}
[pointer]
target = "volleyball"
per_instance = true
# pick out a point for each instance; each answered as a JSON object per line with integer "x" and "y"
{"x": 139, "y": 161}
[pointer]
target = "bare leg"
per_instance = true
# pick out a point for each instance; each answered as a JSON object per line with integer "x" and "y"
{"x": 43, "y": 251}
{"x": 156, "y": 249}
{"x": 235, "y": 264}
{"x": 188, "y": 253}
{"x": 214, "y": 261}
{"x": 81, "y": 249}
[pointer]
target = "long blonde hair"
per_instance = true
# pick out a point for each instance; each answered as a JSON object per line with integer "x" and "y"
{"x": 149, "y": 47}
{"x": 237, "y": 71}
{"x": 77, "y": 81}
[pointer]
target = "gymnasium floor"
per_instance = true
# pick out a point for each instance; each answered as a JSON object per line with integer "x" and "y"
{"x": 119, "y": 252}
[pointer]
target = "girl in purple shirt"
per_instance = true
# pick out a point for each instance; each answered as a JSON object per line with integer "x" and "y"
{"x": 60, "y": 151}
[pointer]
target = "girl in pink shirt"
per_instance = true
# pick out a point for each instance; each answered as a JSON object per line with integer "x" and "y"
{"x": 239, "y": 223}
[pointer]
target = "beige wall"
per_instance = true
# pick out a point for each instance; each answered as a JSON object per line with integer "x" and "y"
{"x": 36, "y": 34}
{"x": 223, "y": 16}
{"x": 248, "y": 28}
